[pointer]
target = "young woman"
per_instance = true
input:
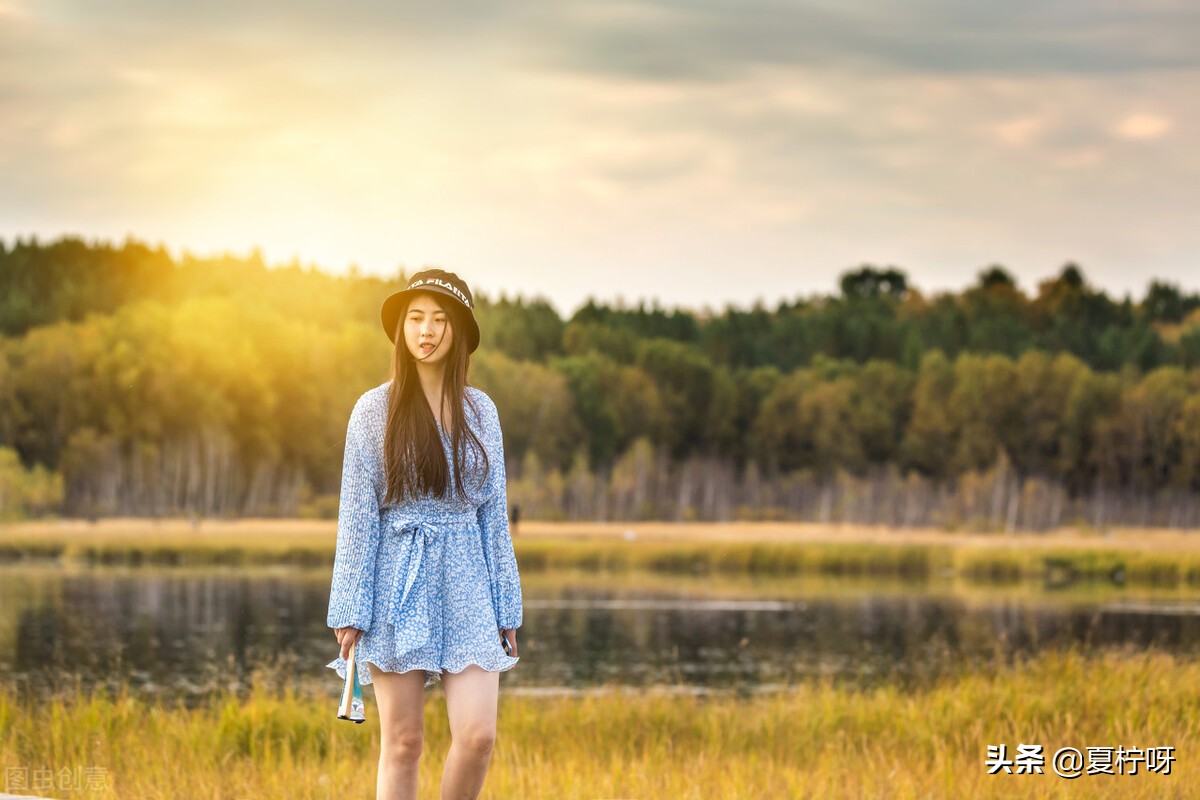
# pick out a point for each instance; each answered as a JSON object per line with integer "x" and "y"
{"x": 425, "y": 579}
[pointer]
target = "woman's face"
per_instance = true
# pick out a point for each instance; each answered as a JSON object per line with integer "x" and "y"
{"x": 427, "y": 331}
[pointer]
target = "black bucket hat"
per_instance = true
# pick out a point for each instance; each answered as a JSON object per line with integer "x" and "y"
{"x": 437, "y": 281}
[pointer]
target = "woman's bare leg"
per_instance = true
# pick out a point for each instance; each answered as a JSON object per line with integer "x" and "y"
{"x": 400, "y": 697}
{"x": 471, "y": 697}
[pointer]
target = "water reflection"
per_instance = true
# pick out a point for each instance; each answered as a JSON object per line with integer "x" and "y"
{"x": 188, "y": 633}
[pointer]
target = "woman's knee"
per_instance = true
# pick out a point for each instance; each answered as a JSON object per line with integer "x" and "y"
{"x": 478, "y": 740}
{"x": 402, "y": 746}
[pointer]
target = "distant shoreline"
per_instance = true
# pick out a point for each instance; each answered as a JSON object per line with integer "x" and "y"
{"x": 299, "y": 528}
{"x": 1120, "y": 556}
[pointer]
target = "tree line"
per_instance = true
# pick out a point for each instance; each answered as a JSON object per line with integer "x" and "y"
{"x": 137, "y": 383}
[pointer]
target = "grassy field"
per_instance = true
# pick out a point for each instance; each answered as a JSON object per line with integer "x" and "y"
{"x": 1148, "y": 557}
{"x": 817, "y": 740}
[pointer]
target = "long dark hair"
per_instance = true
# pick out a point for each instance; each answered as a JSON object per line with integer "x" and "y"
{"x": 414, "y": 459}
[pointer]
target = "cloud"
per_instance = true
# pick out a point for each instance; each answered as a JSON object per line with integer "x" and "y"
{"x": 1020, "y": 131}
{"x": 631, "y": 135}
{"x": 1143, "y": 126}
{"x": 1081, "y": 158}
{"x": 693, "y": 40}
{"x": 11, "y": 12}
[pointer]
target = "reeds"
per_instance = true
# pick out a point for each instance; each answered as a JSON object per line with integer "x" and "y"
{"x": 1139, "y": 559}
{"x": 818, "y": 739}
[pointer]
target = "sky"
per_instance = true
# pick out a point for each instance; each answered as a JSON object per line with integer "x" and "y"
{"x": 696, "y": 154}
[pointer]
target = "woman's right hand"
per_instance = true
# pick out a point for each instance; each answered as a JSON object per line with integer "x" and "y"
{"x": 347, "y": 637}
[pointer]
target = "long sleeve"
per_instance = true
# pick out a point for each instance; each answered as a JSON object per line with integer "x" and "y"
{"x": 497, "y": 541}
{"x": 352, "y": 594}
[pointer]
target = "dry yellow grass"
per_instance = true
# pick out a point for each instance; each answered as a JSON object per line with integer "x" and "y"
{"x": 300, "y": 532}
{"x": 1157, "y": 557}
{"x": 817, "y": 740}
{"x": 799, "y": 532}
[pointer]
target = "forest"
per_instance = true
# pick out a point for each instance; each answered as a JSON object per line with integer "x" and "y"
{"x": 134, "y": 383}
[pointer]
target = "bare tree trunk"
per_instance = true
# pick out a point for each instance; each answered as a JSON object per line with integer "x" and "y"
{"x": 826, "y": 503}
{"x": 1014, "y": 503}
{"x": 602, "y": 505}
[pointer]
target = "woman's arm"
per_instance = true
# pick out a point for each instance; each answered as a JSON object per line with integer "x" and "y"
{"x": 493, "y": 524}
{"x": 352, "y": 594}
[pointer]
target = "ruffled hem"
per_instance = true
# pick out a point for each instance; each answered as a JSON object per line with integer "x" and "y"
{"x": 432, "y": 674}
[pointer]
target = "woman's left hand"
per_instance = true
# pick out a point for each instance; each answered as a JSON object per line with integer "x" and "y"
{"x": 510, "y": 634}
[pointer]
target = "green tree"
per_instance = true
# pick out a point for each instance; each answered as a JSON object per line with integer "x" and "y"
{"x": 535, "y": 405}
{"x": 983, "y": 407}
{"x": 1164, "y": 302}
{"x": 882, "y": 408}
{"x": 931, "y": 437}
{"x": 685, "y": 381}
{"x": 583, "y": 337}
{"x": 1153, "y": 414}
{"x": 526, "y": 331}
{"x": 1042, "y": 390}
{"x": 996, "y": 314}
{"x": 806, "y": 422}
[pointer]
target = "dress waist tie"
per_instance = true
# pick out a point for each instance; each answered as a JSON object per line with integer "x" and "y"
{"x": 411, "y": 587}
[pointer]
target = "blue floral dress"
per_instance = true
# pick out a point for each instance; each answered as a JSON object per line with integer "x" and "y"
{"x": 431, "y": 581}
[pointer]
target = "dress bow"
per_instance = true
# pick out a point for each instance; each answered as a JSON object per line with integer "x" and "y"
{"x": 411, "y": 587}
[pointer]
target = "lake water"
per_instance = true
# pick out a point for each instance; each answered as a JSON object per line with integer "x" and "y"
{"x": 186, "y": 633}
